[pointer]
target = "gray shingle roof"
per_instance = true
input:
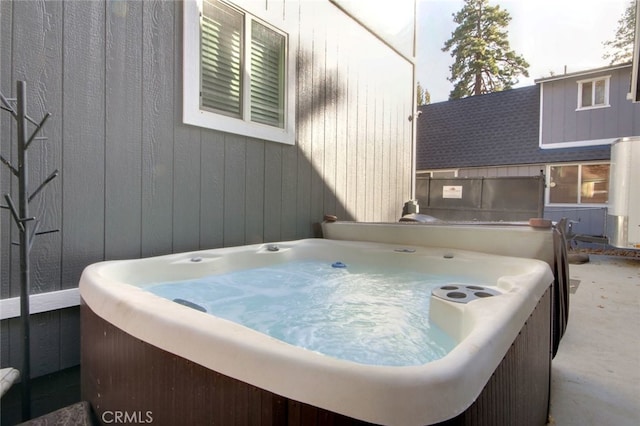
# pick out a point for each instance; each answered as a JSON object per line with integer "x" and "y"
{"x": 495, "y": 129}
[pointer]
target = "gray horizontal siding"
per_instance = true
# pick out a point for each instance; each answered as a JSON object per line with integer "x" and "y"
{"x": 136, "y": 182}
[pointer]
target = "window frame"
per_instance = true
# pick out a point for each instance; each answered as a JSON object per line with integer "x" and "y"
{"x": 579, "y": 202}
{"x": 581, "y": 83}
{"x": 193, "y": 114}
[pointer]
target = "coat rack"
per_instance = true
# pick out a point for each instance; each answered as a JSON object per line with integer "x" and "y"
{"x": 28, "y": 226}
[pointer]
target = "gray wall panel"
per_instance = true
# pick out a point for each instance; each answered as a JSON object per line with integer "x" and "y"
{"x": 273, "y": 191}
{"x": 288, "y": 193}
{"x": 187, "y": 162}
{"x": 254, "y": 193}
{"x": 123, "y": 130}
{"x": 83, "y": 118}
{"x": 235, "y": 151}
{"x": 7, "y": 150}
{"x": 157, "y": 126}
{"x": 212, "y": 190}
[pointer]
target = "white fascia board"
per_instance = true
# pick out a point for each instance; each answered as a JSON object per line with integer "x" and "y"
{"x": 577, "y": 144}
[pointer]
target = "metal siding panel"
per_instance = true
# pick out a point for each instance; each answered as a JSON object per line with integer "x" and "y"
{"x": 6, "y": 358}
{"x": 318, "y": 103}
{"x": 547, "y": 111}
{"x": 234, "y": 190}
{"x": 623, "y": 113}
{"x": 157, "y": 125}
{"x": 340, "y": 94}
{"x": 123, "y": 130}
{"x": 289, "y": 197}
{"x": 385, "y": 158}
{"x": 186, "y": 196}
{"x": 569, "y": 126}
{"x": 362, "y": 106}
{"x": 273, "y": 191}
{"x": 187, "y": 153}
{"x": 255, "y": 214}
{"x": 378, "y": 129}
{"x": 304, "y": 123}
{"x": 45, "y": 343}
{"x": 33, "y": 38}
{"x": 370, "y": 149}
{"x": 7, "y": 229}
{"x": 331, "y": 100}
{"x": 289, "y": 154}
{"x": 350, "y": 104}
{"x": 553, "y": 113}
{"x": 69, "y": 337}
{"x": 83, "y": 135}
{"x": 212, "y": 181}
{"x": 617, "y": 116}
{"x": 396, "y": 166}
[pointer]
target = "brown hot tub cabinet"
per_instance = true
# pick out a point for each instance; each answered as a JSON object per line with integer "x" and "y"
{"x": 127, "y": 377}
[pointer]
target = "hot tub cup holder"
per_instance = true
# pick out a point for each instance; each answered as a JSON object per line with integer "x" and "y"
{"x": 462, "y": 293}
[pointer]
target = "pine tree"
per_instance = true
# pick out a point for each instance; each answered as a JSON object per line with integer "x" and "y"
{"x": 419, "y": 94}
{"x": 620, "y": 49}
{"x": 423, "y": 95}
{"x": 484, "y": 61}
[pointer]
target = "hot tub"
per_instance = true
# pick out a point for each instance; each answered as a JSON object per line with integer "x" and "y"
{"x": 150, "y": 358}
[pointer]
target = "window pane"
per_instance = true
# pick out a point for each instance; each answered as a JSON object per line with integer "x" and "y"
{"x": 599, "y": 93}
{"x": 221, "y": 58}
{"x": 563, "y": 186}
{"x": 267, "y": 75}
{"x": 586, "y": 94}
{"x": 595, "y": 184}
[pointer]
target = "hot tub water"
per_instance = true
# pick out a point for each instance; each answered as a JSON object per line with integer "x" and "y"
{"x": 376, "y": 316}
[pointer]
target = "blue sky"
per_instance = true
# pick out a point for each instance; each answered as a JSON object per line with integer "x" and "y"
{"x": 550, "y": 34}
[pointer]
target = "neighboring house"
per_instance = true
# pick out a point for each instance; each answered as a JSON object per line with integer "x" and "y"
{"x": 155, "y": 160}
{"x": 562, "y": 126}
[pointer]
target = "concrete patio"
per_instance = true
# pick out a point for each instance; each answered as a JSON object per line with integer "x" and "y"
{"x": 596, "y": 372}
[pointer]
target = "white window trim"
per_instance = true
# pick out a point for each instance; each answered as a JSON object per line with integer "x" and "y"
{"x": 431, "y": 172}
{"x": 191, "y": 112}
{"x": 547, "y": 192}
{"x": 606, "y": 104}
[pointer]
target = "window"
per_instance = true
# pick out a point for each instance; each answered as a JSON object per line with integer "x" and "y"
{"x": 578, "y": 184}
{"x": 237, "y": 74}
{"x": 593, "y": 93}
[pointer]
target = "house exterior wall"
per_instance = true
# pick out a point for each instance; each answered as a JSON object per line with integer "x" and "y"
{"x": 562, "y": 125}
{"x": 136, "y": 182}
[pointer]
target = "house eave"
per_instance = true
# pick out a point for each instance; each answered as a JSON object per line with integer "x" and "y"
{"x": 583, "y": 73}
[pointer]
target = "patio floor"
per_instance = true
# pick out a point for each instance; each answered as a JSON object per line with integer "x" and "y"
{"x": 596, "y": 372}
